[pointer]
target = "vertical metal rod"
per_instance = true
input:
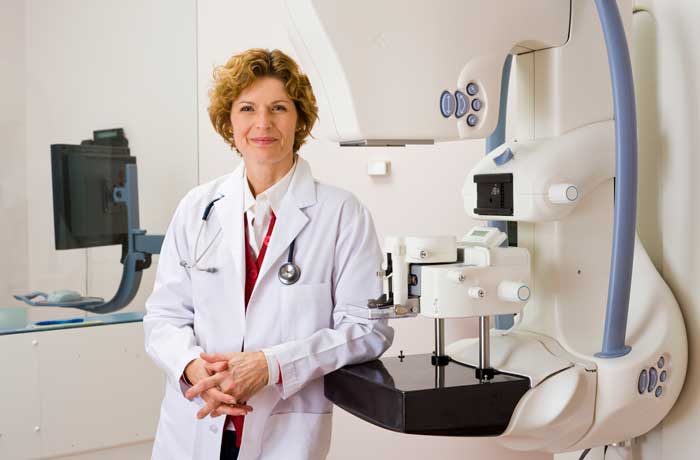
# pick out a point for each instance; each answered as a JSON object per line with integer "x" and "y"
{"x": 439, "y": 337}
{"x": 484, "y": 342}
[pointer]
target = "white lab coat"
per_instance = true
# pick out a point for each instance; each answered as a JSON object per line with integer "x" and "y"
{"x": 305, "y": 325}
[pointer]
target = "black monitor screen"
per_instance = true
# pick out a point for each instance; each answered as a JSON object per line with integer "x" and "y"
{"x": 84, "y": 177}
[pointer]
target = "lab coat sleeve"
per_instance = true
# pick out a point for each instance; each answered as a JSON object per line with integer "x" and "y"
{"x": 169, "y": 319}
{"x": 354, "y": 280}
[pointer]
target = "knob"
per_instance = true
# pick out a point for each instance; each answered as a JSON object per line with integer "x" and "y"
{"x": 563, "y": 193}
{"x": 418, "y": 253}
{"x": 512, "y": 291}
{"x": 456, "y": 276}
{"x": 476, "y": 292}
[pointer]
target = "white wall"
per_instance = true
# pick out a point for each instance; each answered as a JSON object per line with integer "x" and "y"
{"x": 669, "y": 98}
{"x": 13, "y": 197}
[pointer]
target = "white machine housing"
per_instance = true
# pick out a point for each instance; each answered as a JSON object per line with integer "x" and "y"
{"x": 490, "y": 281}
{"x": 378, "y": 69}
{"x": 419, "y": 49}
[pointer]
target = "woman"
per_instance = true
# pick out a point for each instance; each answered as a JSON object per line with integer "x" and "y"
{"x": 243, "y": 344}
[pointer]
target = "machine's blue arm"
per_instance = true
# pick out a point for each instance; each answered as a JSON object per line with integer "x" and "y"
{"x": 497, "y": 138}
{"x": 624, "y": 227}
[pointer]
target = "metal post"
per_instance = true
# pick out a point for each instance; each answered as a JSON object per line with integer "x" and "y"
{"x": 439, "y": 337}
{"x": 484, "y": 342}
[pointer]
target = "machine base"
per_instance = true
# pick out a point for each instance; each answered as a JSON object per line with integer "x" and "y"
{"x": 410, "y": 395}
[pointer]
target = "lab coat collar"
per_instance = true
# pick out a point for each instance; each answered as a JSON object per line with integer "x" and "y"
{"x": 290, "y": 220}
{"x": 229, "y": 212}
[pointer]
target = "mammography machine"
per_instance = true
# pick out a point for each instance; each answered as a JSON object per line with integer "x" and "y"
{"x": 598, "y": 351}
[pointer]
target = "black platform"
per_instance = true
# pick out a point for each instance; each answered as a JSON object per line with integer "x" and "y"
{"x": 410, "y": 395}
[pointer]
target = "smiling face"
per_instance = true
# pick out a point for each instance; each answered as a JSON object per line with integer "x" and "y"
{"x": 264, "y": 120}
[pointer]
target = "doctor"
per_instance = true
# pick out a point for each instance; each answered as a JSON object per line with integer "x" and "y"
{"x": 257, "y": 270}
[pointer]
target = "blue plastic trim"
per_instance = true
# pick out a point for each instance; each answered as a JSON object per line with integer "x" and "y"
{"x": 497, "y": 138}
{"x": 624, "y": 227}
{"x": 504, "y": 157}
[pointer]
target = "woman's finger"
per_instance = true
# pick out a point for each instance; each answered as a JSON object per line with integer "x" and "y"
{"x": 220, "y": 396}
{"x": 214, "y": 357}
{"x": 203, "y": 385}
{"x": 234, "y": 409}
{"x": 218, "y": 366}
{"x": 206, "y": 409}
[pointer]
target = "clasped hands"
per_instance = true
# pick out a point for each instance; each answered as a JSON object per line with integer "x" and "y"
{"x": 225, "y": 381}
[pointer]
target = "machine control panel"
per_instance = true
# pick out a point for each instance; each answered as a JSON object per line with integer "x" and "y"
{"x": 650, "y": 380}
{"x": 459, "y": 105}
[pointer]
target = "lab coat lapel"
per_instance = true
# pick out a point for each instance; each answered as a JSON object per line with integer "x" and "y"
{"x": 291, "y": 219}
{"x": 230, "y": 216}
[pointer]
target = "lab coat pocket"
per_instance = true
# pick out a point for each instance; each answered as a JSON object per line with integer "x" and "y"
{"x": 306, "y": 308}
{"x": 297, "y": 436}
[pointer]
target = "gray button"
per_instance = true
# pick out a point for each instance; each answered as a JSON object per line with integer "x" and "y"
{"x": 213, "y": 428}
{"x": 658, "y": 391}
{"x": 472, "y": 89}
{"x": 652, "y": 379}
{"x": 476, "y": 104}
{"x": 642, "y": 384}
{"x": 462, "y": 104}
{"x": 472, "y": 120}
{"x": 662, "y": 377}
{"x": 660, "y": 363}
{"x": 447, "y": 104}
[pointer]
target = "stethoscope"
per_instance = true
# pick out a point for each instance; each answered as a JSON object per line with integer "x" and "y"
{"x": 289, "y": 272}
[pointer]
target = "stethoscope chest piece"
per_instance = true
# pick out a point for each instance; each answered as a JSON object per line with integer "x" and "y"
{"x": 289, "y": 273}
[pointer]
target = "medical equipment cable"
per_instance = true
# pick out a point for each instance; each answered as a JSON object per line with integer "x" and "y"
{"x": 624, "y": 225}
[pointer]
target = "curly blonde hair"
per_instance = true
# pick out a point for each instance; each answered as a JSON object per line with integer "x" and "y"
{"x": 241, "y": 71}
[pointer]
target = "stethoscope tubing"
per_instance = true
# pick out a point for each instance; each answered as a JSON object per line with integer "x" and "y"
{"x": 205, "y": 217}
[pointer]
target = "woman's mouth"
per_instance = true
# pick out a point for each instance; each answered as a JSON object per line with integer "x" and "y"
{"x": 263, "y": 140}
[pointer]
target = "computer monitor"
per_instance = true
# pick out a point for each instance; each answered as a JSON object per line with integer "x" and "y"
{"x": 84, "y": 177}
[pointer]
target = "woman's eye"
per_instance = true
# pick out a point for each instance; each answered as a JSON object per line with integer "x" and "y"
{"x": 278, "y": 108}
{"x": 246, "y": 108}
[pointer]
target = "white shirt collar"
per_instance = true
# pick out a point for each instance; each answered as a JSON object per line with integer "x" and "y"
{"x": 274, "y": 195}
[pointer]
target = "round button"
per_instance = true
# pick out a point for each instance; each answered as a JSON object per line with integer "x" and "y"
{"x": 447, "y": 104}
{"x": 472, "y": 89}
{"x": 660, "y": 363}
{"x": 476, "y": 104}
{"x": 663, "y": 376}
{"x": 472, "y": 120}
{"x": 653, "y": 375}
{"x": 462, "y": 104}
{"x": 643, "y": 379}
{"x": 658, "y": 392}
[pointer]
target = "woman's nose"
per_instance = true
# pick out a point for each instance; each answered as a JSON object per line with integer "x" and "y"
{"x": 263, "y": 119}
